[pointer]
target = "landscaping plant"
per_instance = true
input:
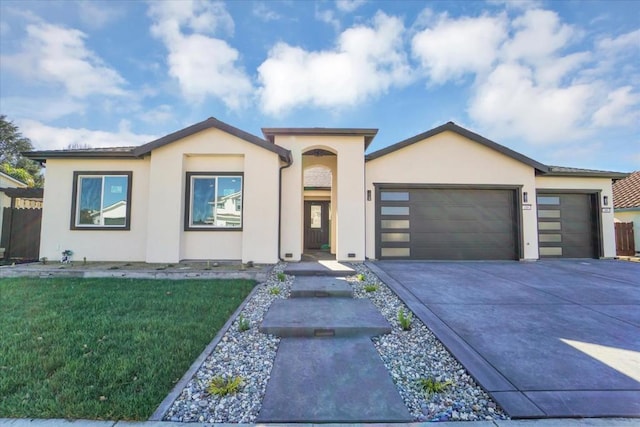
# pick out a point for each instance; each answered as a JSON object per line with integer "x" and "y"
{"x": 221, "y": 386}
{"x": 405, "y": 319}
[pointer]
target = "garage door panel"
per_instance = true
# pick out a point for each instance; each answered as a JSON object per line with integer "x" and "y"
{"x": 567, "y": 225}
{"x": 450, "y": 224}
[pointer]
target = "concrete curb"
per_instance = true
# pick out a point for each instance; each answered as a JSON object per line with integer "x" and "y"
{"x": 164, "y": 406}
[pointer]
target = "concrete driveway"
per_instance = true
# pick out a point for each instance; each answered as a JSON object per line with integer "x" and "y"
{"x": 545, "y": 339}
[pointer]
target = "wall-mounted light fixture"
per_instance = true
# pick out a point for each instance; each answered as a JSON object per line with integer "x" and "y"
{"x": 525, "y": 197}
{"x": 605, "y": 200}
{"x": 368, "y": 195}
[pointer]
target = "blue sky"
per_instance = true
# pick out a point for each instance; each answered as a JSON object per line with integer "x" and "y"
{"x": 558, "y": 81}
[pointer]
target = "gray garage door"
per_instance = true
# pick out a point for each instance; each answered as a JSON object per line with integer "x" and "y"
{"x": 567, "y": 225}
{"x": 446, "y": 224}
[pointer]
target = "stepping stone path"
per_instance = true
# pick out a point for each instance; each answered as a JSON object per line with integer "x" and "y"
{"x": 327, "y": 369}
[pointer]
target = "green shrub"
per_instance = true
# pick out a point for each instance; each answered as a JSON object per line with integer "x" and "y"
{"x": 282, "y": 277}
{"x": 405, "y": 319}
{"x": 243, "y": 324}
{"x": 361, "y": 277}
{"x": 221, "y": 386}
{"x": 370, "y": 288}
{"x": 274, "y": 290}
{"x": 430, "y": 385}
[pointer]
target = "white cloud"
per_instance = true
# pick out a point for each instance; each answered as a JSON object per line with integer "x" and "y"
{"x": 46, "y": 137}
{"x": 161, "y": 114}
{"x": 516, "y": 4}
{"x": 624, "y": 42}
{"x": 58, "y": 55}
{"x": 41, "y": 108}
{"x": 203, "y": 65}
{"x": 262, "y": 12}
{"x": 619, "y": 109}
{"x": 328, "y": 17}
{"x": 97, "y": 15}
{"x": 349, "y": 5}
{"x": 366, "y": 62}
{"x": 454, "y": 47}
{"x": 511, "y": 104}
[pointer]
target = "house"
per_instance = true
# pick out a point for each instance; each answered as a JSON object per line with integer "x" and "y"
{"x": 214, "y": 192}
{"x": 626, "y": 204}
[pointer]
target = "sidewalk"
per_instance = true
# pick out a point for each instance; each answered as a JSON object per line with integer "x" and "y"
{"x": 557, "y": 422}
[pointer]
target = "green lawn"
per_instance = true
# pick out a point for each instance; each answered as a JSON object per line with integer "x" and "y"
{"x": 104, "y": 348}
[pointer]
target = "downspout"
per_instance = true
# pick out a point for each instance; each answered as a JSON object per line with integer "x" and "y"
{"x": 289, "y": 163}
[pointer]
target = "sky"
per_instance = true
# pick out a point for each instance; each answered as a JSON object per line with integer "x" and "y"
{"x": 558, "y": 81}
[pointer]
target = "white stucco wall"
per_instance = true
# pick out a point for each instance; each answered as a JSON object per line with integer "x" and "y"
{"x": 449, "y": 158}
{"x": 592, "y": 184}
{"x": 95, "y": 245}
{"x": 634, "y": 217}
{"x": 213, "y": 150}
{"x": 347, "y": 194}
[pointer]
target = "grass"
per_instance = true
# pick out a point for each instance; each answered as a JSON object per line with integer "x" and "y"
{"x": 104, "y": 348}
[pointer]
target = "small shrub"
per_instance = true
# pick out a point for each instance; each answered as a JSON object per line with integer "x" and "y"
{"x": 370, "y": 288}
{"x": 243, "y": 324}
{"x": 221, "y": 386}
{"x": 361, "y": 277}
{"x": 282, "y": 277}
{"x": 405, "y": 319}
{"x": 430, "y": 385}
{"x": 274, "y": 290}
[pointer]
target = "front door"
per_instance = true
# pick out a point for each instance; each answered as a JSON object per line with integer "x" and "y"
{"x": 316, "y": 225}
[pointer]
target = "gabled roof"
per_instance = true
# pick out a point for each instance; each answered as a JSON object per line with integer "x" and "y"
{"x": 212, "y": 122}
{"x": 142, "y": 150}
{"x": 452, "y": 127}
{"x": 626, "y": 192}
{"x": 368, "y": 133}
{"x": 10, "y": 178}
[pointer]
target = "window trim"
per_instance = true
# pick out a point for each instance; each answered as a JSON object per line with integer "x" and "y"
{"x": 75, "y": 194}
{"x": 187, "y": 201}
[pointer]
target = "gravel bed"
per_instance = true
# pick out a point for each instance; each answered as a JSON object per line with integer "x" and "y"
{"x": 408, "y": 355}
{"x": 417, "y": 354}
{"x": 249, "y": 354}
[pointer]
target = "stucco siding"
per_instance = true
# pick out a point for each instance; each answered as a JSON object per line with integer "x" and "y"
{"x": 449, "y": 158}
{"x": 602, "y": 185}
{"x": 95, "y": 245}
{"x": 213, "y": 151}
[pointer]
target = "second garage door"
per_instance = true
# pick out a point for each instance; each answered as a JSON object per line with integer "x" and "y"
{"x": 447, "y": 224}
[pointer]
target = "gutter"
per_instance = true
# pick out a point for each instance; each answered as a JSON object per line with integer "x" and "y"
{"x": 289, "y": 163}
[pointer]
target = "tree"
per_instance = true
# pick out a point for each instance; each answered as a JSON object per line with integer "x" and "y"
{"x": 12, "y": 162}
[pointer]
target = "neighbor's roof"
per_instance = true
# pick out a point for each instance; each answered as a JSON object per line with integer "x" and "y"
{"x": 368, "y": 133}
{"x": 142, "y": 150}
{"x": 541, "y": 169}
{"x": 10, "y": 178}
{"x": 626, "y": 192}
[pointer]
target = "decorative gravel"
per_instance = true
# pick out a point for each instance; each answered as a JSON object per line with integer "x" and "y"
{"x": 417, "y": 354}
{"x": 249, "y": 354}
{"x": 408, "y": 355}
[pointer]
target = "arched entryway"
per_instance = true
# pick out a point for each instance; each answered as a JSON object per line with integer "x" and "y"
{"x": 318, "y": 169}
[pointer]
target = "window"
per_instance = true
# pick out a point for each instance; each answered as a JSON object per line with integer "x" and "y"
{"x": 213, "y": 201}
{"x": 101, "y": 201}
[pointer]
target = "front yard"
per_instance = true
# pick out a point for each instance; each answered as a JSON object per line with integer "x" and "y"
{"x": 104, "y": 348}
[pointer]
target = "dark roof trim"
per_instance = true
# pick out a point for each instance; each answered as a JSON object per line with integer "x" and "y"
{"x": 585, "y": 173}
{"x": 451, "y": 126}
{"x": 42, "y": 156}
{"x": 23, "y": 193}
{"x": 367, "y": 133}
{"x": 138, "y": 152}
{"x": 212, "y": 122}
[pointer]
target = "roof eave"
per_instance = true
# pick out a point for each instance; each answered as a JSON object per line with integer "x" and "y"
{"x": 42, "y": 156}
{"x": 587, "y": 174}
{"x": 368, "y": 133}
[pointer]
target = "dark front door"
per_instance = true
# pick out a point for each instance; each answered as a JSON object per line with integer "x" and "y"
{"x": 316, "y": 225}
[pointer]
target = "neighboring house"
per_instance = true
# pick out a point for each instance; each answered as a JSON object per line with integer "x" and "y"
{"x": 214, "y": 192}
{"x": 626, "y": 203}
{"x": 7, "y": 182}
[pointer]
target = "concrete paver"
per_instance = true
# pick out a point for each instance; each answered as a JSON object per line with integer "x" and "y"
{"x": 308, "y": 317}
{"x": 316, "y": 380}
{"x": 318, "y": 286}
{"x": 564, "y": 334}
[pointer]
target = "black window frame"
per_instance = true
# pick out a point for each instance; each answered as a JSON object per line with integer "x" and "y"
{"x": 187, "y": 201}
{"x": 75, "y": 194}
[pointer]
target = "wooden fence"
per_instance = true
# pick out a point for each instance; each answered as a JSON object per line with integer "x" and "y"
{"x": 21, "y": 233}
{"x": 625, "y": 242}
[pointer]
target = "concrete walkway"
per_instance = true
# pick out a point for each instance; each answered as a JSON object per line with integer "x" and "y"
{"x": 327, "y": 369}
